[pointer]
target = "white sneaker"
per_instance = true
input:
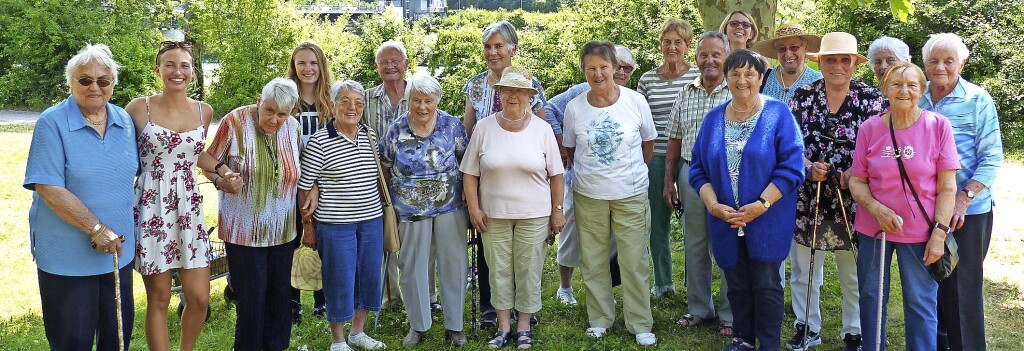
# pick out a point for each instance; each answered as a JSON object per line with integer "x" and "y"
{"x": 365, "y": 342}
{"x": 646, "y": 339}
{"x": 566, "y": 296}
{"x": 596, "y": 332}
{"x": 340, "y": 347}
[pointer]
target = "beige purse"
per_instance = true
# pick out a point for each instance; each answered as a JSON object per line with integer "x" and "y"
{"x": 392, "y": 242}
{"x": 306, "y": 270}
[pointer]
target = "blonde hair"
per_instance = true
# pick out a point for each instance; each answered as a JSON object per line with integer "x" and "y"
{"x": 902, "y": 66}
{"x": 683, "y": 28}
{"x": 323, "y": 82}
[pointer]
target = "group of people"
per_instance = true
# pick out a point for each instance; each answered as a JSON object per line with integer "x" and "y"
{"x": 765, "y": 164}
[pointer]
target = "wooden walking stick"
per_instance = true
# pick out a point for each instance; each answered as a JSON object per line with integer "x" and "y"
{"x": 117, "y": 303}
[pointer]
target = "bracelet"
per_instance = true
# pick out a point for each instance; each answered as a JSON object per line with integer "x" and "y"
{"x": 96, "y": 232}
{"x": 215, "y": 182}
{"x": 216, "y": 169}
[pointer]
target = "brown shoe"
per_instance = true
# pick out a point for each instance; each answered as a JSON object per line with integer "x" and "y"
{"x": 412, "y": 339}
{"x": 457, "y": 338}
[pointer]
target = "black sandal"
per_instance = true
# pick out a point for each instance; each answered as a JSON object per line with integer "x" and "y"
{"x": 500, "y": 339}
{"x": 522, "y": 343}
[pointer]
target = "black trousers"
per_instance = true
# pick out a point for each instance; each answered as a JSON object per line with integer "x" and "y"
{"x": 261, "y": 278}
{"x": 961, "y": 297}
{"x": 80, "y": 311}
{"x": 757, "y": 298}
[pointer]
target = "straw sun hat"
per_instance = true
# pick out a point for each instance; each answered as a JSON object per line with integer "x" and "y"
{"x": 767, "y": 47}
{"x": 838, "y": 43}
{"x": 516, "y": 77}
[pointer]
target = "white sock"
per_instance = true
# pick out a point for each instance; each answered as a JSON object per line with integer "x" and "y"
{"x": 355, "y": 338}
{"x": 569, "y": 289}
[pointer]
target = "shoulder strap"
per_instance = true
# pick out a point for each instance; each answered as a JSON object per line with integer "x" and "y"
{"x": 904, "y": 178}
{"x": 764, "y": 79}
{"x": 380, "y": 171}
{"x": 147, "y": 110}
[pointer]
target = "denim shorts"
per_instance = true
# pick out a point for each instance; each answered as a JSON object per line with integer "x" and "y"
{"x": 351, "y": 261}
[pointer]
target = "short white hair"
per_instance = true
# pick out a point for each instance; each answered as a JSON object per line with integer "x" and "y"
{"x": 424, "y": 84}
{"x": 92, "y": 54}
{"x": 507, "y": 32}
{"x": 714, "y": 35}
{"x": 624, "y": 55}
{"x": 391, "y": 44}
{"x": 282, "y": 91}
{"x": 342, "y": 85}
{"x": 895, "y": 46}
{"x": 945, "y": 38}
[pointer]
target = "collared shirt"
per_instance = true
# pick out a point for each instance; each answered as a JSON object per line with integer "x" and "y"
{"x": 67, "y": 153}
{"x": 262, "y": 213}
{"x": 379, "y": 114}
{"x": 346, "y": 172}
{"x": 773, "y": 85}
{"x": 661, "y": 94}
{"x": 689, "y": 109}
{"x": 979, "y": 142}
{"x": 554, "y": 110}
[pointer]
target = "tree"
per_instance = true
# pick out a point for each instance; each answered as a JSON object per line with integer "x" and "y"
{"x": 713, "y": 12}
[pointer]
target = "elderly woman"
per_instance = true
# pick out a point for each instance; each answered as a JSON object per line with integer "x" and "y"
{"x": 257, "y": 211}
{"x": 339, "y": 159}
{"x": 790, "y": 46}
{"x": 609, "y": 135}
{"x": 741, "y": 29}
{"x": 568, "y": 255}
{"x": 975, "y": 123}
{"x": 500, "y": 42}
{"x": 886, "y": 222}
{"x": 81, "y": 165}
{"x": 172, "y": 134}
{"x": 311, "y": 73}
{"x": 747, "y": 164}
{"x": 830, "y": 112}
{"x": 513, "y": 188}
{"x": 885, "y": 52}
{"x": 420, "y": 154}
{"x": 660, "y": 86}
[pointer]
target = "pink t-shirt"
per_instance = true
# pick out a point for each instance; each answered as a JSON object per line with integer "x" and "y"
{"x": 927, "y": 148}
{"x": 514, "y": 168}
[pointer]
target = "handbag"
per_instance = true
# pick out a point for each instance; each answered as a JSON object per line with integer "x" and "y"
{"x": 392, "y": 242}
{"x": 944, "y": 267}
{"x": 306, "y": 269}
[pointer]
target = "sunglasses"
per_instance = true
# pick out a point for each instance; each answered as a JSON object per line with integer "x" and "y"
{"x": 793, "y": 48}
{"x": 102, "y": 82}
{"x": 740, "y": 24}
{"x": 170, "y": 44}
{"x": 625, "y": 68}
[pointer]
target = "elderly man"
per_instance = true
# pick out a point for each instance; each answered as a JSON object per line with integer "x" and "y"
{"x": 691, "y": 105}
{"x": 384, "y": 103}
{"x": 972, "y": 114}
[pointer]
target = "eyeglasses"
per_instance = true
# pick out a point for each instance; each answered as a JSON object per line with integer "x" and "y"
{"x": 393, "y": 63}
{"x": 347, "y": 102}
{"x": 793, "y": 48}
{"x": 170, "y": 44}
{"x": 102, "y": 82}
{"x": 740, "y": 24}
{"x": 625, "y": 68}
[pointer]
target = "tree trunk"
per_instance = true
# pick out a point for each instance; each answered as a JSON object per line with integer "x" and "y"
{"x": 714, "y": 11}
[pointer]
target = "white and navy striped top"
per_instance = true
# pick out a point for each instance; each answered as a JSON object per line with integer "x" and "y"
{"x": 660, "y": 94}
{"x": 346, "y": 172}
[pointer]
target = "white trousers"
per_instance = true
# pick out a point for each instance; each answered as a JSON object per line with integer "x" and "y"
{"x": 846, "y": 263}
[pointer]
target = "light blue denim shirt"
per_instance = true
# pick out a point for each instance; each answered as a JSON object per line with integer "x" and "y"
{"x": 66, "y": 152}
{"x": 554, "y": 110}
{"x": 972, "y": 114}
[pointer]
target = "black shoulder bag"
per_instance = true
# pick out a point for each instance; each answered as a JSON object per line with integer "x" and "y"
{"x": 944, "y": 267}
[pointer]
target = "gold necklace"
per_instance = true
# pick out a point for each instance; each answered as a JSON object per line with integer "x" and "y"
{"x": 785, "y": 88}
{"x": 732, "y": 105}
{"x": 96, "y": 123}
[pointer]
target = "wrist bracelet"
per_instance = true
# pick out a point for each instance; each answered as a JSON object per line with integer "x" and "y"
{"x": 216, "y": 169}
{"x": 215, "y": 182}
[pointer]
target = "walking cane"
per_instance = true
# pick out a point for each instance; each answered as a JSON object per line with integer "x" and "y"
{"x": 810, "y": 276}
{"x": 881, "y": 284}
{"x": 383, "y": 285}
{"x": 842, "y": 207}
{"x": 473, "y": 237}
{"x": 117, "y": 304}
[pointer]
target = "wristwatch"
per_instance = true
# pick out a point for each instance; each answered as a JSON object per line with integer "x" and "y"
{"x": 558, "y": 207}
{"x": 943, "y": 228}
{"x": 970, "y": 193}
{"x": 765, "y": 202}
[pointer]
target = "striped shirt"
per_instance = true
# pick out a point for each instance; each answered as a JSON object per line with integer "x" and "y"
{"x": 660, "y": 94}
{"x": 689, "y": 109}
{"x": 379, "y": 114}
{"x": 309, "y": 120}
{"x": 262, "y": 213}
{"x": 346, "y": 172}
{"x": 979, "y": 142}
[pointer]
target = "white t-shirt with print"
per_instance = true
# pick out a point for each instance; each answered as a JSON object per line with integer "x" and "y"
{"x": 608, "y": 163}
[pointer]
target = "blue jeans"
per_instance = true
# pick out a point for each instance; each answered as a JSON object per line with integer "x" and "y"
{"x": 757, "y": 299}
{"x": 919, "y": 292}
{"x": 79, "y": 311}
{"x": 261, "y": 278}
{"x": 351, "y": 255}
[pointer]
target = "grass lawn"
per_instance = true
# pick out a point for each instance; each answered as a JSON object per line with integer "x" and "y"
{"x": 561, "y": 327}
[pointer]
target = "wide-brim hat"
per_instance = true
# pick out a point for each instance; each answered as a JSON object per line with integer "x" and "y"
{"x": 767, "y": 47}
{"x": 516, "y": 77}
{"x": 838, "y": 43}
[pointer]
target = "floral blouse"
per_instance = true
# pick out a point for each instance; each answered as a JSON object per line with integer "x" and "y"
{"x": 486, "y": 100}
{"x": 829, "y": 138}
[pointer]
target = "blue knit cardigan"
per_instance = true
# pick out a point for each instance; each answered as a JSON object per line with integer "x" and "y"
{"x": 773, "y": 154}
